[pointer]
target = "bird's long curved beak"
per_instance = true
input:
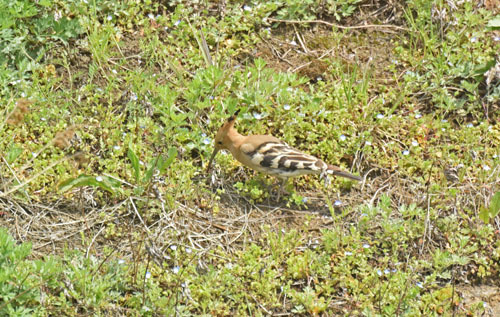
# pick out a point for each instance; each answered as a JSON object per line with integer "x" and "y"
{"x": 211, "y": 159}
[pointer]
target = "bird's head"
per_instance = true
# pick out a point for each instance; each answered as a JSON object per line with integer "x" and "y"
{"x": 220, "y": 138}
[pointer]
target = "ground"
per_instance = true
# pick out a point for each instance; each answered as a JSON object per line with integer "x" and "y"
{"x": 107, "y": 135}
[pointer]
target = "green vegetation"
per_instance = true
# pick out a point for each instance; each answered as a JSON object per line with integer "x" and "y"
{"x": 109, "y": 109}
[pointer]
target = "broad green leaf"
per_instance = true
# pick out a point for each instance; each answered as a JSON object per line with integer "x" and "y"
{"x": 494, "y": 23}
{"x": 134, "y": 160}
{"x": 13, "y": 153}
{"x": 165, "y": 163}
{"x": 483, "y": 68}
{"x": 177, "y": 118}
{"x": 152, "y": 165}
{"x": 495, "y": 205}
{"x": 45, "y": 3}
{"x": 484, "y": 215}
{"x": 87, "y": 180}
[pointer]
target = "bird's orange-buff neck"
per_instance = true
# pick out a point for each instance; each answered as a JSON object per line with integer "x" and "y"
{"x": 233, "y": 140}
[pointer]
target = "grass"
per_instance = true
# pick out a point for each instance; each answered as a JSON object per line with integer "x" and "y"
{"x": 109, "y": 113}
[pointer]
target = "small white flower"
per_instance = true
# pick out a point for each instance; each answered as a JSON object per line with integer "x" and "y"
{"x": 247, "y": 8}
{"x": 43, "y": 118}
{"x": 206, "y": 141}
{"x": 342, "y": 137}
{"x": 177, "y": 22}
{"x": 380, "y": 116}
{"x": 173, "y": 247}
{"x": 121, "y": 261}
{"x": 473, "y": 39}
{"x": 109, "y": 18}
{"x": 148, "y": 274}
{"x": 444, "y": 121}
{"x": 116, "y": 147}
{"x": 414, "y": 143}
{"x": 99, "y": 178}
{"x": 304, "y": 200}
{"x": 495, "y": 156}
{"x": 133, "y": 97}
{"x": 347, "y": 253}
{"x": 470, "y": 125}
{"x": 283, "y": 230}
{"x": 419, "y": 285}
{"x": 387, "y": 271}
{"x": 418, "y": 116}
{"x": 368, "y": 143}
{"x": 319, "y": 78}
{"x": 394, "y": 270}
{"x": 289, "y": 89}
{"x": 486, "y": 167}
{"x": 337, "y": 203}
{"x": 257, "y": 116}
{"x": 188, "y": 250}
{"x": 114, "y": 71}
{"x": 406, "y": 152}
{"x": 292, "y": 42}
{"x": 23, "y": 95}
{"x": 176, "y": 269}
{"x": 151, "y": 16}
{"x": 496, "y": 39}
{"x": 286, "y": 107}
{"x": 443, "y": 129}
{"x": 57, "y": 15}
{"x": 33, "y": 154}
{"x": 379, "y": 272}
{"x": 366, "y": 246}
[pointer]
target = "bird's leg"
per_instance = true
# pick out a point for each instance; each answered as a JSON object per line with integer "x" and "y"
{"x": 327, "y": 180}
{"x": 324, "y": 176}
{"x": 282, "y": 187}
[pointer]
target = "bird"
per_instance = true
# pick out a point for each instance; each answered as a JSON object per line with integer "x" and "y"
{"x": 270, "y": 155}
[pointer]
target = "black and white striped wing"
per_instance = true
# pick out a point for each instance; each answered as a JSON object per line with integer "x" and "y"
{"x": 279, "y": 159}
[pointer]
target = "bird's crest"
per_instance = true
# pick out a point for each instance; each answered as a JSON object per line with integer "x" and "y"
{"x": 233, "y": 117}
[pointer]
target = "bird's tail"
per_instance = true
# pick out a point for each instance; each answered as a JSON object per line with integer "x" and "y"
{"x": 338, "y": 172}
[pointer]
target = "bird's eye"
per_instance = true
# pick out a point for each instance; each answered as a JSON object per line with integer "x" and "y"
{"x": 220, "y": 142}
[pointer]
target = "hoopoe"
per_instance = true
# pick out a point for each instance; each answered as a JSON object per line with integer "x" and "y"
{"x": 270, "y": 155}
